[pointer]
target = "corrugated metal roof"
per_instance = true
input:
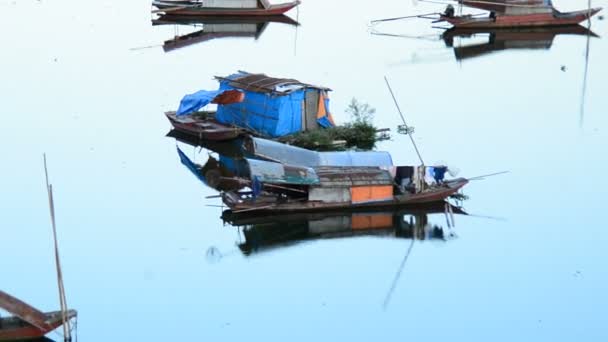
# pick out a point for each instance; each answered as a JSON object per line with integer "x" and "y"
{"x": 353, "y": 176}
{"x": 265, "y": 84}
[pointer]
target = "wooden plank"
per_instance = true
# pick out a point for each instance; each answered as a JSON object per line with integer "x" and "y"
{"x": 23, "y": 310}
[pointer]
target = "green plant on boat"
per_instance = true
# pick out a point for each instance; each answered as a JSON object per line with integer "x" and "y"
{"x": 360, "y": 133}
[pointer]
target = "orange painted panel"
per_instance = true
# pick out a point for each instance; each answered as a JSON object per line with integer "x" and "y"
{"x": 371, "y": 193}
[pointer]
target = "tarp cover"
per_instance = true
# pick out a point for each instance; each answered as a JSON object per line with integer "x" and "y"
{"x": 286, "y": 154}
{"x": 266, "y": 113}
{"x": 193, "y": 102}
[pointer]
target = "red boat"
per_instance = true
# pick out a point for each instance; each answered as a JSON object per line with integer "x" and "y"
{"x": 222, "y": 7}
{"x": 27, "y": 322}
{"x": 204, "y": 128}
{"x": 514, "y": 13}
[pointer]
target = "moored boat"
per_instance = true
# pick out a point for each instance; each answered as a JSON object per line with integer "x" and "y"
{"x": 514, "y": 13}
{"x": 203, "y": 129}
{"x": 27, "y": 322}
{"x": 223, "y": 7}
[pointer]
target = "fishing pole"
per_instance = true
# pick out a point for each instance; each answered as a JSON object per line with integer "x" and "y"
{"x": 488, "y": 175}
{"x": 409, "y": 131}
{"x": 405, "y": 17}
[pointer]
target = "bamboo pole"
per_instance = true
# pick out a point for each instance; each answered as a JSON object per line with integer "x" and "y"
{"x": 62, "y": 300}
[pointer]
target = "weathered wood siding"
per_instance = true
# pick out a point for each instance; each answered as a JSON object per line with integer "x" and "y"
{"x": 231, "y": 3}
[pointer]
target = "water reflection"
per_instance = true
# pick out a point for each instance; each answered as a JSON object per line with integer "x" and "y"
{"x": 214, "y": 27}
{"x": 262, "y": 232}
{"x": 494, "y": 40}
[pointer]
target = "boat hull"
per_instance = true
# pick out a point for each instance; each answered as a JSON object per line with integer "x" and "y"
{"x": 15, "y": 329}
{"x": 524, "y": 20}
{"x": 278, "y": 9}
{"x": 203, "y": 129}
{"x": 432, "y": 196}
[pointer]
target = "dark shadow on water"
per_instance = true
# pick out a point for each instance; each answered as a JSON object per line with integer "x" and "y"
{"x": 264, "y": 232}
{"x": 214, "y": 27}
{"x": 507, "y": 39}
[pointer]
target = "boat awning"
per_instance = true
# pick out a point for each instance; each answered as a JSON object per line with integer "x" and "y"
{"x": 287, "y": 154}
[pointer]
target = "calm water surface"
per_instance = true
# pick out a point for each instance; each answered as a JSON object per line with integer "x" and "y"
{"x": 87, "y": 83}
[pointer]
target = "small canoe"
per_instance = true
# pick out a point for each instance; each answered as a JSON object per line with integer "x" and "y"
{"x": 555, "y": 18}
{"x": 203, "y": 129}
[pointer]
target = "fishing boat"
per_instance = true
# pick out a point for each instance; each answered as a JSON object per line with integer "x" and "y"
{"x": 222, "y": 7}
{"x": 203, "y": 128}
{"x": 275, "y": 177}
{"x": 514, "y": 13}
{"x": 254, "y": 103}
{"x": 348, "y": 195}
{"x": 28, "y": 322}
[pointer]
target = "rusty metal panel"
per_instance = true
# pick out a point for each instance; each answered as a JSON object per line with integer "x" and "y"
{"x": 353, "y": 176}
{"x": 329, "y": 194}
{"x": 266, "y": 84}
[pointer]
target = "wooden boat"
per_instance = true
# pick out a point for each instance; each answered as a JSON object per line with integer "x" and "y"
{"x": 275, "y": 203}
{"x": 27, "y": 322}
{"x": 203, "y": 129}
{"x": 515, "y": 13}
{"x": 223, "y": 7}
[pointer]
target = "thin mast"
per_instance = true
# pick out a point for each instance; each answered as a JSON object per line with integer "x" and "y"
{"x": 62, "y": 300}
{"x": 409, "y": 132}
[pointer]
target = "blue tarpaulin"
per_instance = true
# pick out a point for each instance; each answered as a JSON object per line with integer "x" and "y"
{"x": 269, "y": 114}
{"x": 193, "y": 102}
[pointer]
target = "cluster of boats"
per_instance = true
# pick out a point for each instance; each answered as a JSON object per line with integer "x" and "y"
{"x": 284, "y": 194}
{"x": 265, "y": 175}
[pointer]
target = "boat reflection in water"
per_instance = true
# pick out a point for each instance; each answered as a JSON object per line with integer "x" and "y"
{"x": 215, "y": 27}
{"x": 264, "y": 232}
{"x": 501, "y": 39}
